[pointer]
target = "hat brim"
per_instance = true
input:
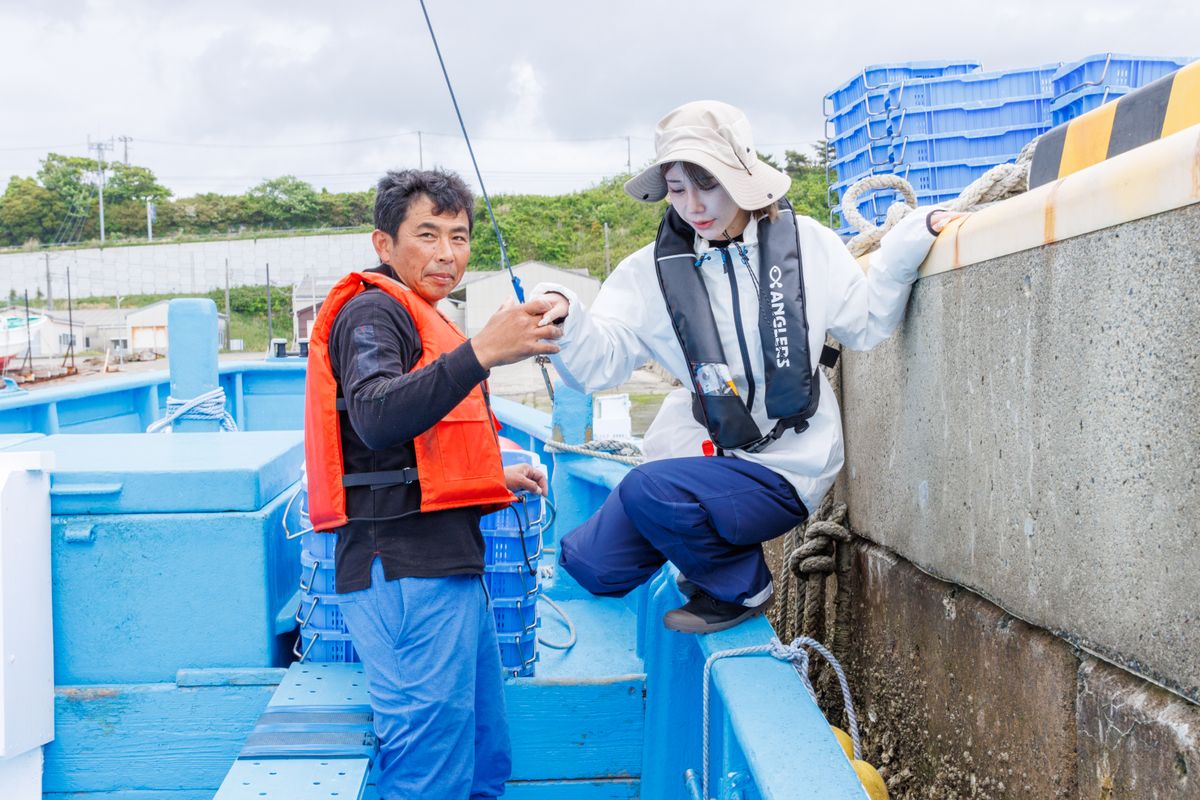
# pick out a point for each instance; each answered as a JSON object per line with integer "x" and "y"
{"x": 760, "y": 188}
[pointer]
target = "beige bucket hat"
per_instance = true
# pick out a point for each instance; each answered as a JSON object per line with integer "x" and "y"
{"x": 715, "y": 136}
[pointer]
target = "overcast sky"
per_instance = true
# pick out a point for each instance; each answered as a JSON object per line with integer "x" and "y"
{"x": 218, "y": 95}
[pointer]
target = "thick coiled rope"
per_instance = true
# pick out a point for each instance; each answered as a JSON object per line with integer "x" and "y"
{"x": 797, "y": 654}
{"x": 210, "y": 405}
{"x": 999, "y": 182}
{"x": 622, "y": 451}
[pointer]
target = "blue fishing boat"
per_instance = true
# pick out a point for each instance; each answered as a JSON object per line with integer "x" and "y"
{"x": 154, "y": 593}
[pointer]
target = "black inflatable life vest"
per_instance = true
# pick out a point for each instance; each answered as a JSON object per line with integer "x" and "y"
{"x": 792, "y": 388}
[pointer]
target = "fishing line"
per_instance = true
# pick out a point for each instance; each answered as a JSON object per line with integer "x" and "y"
{"x": 516, "y": 282}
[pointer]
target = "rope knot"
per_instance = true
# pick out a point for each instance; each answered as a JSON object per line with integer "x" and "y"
{"x": 210, "y": 406}
{"x": 792, "y": 653}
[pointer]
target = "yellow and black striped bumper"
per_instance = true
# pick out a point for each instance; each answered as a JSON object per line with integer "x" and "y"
{"x": 1152, "y": 112}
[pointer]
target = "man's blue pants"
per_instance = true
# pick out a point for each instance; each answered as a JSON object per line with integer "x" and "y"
{"x": 708, "y": 516}
{"x": 429, "y": 651}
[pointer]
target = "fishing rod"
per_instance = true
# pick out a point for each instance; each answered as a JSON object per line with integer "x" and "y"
{"x": 504, "y": 262}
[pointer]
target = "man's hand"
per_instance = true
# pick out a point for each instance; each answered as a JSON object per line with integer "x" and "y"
{"x": 513, "y": 334}
{"x": 525, "y": 478}
{"x": 558, "y": 309}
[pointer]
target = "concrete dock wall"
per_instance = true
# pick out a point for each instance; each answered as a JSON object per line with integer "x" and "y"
{"x": 1032, "y": 433}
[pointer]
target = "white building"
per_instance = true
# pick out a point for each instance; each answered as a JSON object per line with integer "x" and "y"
{"x": 488, "y": 290}
{"x": 469, "y": 306}
{"x": 42, "y": 333}
{"x": 146, "y": 327}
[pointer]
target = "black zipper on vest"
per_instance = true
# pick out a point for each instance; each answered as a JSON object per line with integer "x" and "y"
{"x": 737, "y": 322}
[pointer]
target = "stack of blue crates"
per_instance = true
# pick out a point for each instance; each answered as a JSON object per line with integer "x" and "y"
{"x": 1094, "y": 80}
{"x": 941, "y": 125}
{"x": 513, "y": 541}
{"x": 938, "y": 132}
{"x": 323, "y": 636}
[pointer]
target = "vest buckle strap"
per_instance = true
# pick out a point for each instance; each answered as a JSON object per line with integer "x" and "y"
{"x": 381, "y": 479}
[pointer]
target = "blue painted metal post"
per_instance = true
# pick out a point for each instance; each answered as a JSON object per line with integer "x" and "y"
{"x": 192, "y": 347}
{"x": 570, "y": 423}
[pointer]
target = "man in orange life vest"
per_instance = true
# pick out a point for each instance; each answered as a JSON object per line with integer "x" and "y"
{"x": 403, "y": 459}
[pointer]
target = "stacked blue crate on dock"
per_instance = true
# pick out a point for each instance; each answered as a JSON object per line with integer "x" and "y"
{"x": 939, "y": 133}
{"x": 1094, "y": 80}
{"x": 513, "y": 548}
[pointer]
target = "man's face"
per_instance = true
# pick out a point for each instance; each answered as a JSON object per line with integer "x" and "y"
{"x": 429, "y": 252}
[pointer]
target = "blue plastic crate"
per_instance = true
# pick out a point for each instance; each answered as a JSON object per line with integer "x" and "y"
{"x": 846, "y": 120}
{"x": 518, "y": 652}
{"x": 971, "y": 115}
{"x": 510, "y": 582}
{"x": 316, "y": 574}
{"x": 951, "y": 176}
{"x": 319, "y": 646}
{"x": 321, "y": 611}
{"x": 515, "y": 615}
{"x": 1082, "y": 100}
{"x": 1114, "y": 69}
{"x": 513, "y": 547}
{"x": 960, "y": 89}
{"x": 963, "y": 145}
{"x": 319, "y": 544}
{"x": 878, "y": 76}
{"x": 873, "y": 130}
{"x": 874, "y": 158}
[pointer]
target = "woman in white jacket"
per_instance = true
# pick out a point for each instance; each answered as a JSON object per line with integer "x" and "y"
{"x": 734, "y": 298}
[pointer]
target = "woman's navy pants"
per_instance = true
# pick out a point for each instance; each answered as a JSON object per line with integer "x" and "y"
{"x": 707, "y": 515}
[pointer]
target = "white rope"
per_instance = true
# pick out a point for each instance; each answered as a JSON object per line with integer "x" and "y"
{"x": 210, "y": 405}
{"x": 571, "y": 635}
{"x": 622, "y": 451}
{"x": 999, "y": 182}
{"x": 795, "y": 654}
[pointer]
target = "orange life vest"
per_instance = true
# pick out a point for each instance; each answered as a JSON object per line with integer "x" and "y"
{"x": 458, "y": 459}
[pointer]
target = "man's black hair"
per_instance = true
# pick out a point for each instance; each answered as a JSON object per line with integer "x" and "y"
{"x": 397, "y": 189}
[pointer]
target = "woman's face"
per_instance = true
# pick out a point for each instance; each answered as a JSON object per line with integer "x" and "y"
{"x": 711, "y": 211}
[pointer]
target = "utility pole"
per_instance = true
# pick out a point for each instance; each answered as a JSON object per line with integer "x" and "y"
{"x": 420, "y": 151}
{"x": 100, "y": 147}
{"x": 49, "y": 291}
{"x": 607, "y": 258}
{"x": 125, "y": 140}
{"x": 149, "y": 220}
{"x": 228, "y": 316}
{"x": 628, "y": 157}
{"x": 70, "y": 327}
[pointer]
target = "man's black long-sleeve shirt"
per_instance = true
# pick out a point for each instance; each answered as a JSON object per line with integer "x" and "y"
{"x": 373, "y": 347}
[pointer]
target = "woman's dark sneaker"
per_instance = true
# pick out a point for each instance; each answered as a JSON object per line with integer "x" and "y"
{"x": 704, "y": 613}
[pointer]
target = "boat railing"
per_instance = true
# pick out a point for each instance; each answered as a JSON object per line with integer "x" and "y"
{"x": 768, "y": 737}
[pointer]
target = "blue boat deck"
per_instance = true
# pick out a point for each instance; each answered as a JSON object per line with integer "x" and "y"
{"x": 174, "y": 619}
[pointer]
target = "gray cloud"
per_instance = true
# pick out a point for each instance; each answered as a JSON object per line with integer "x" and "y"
{"x": 272, "y": 76}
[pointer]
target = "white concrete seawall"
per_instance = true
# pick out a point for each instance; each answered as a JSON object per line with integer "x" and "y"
{"x": 188, "y": 267}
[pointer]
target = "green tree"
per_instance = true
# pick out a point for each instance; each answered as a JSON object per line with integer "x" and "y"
{"x": 71, "y": 179}
{"x": 285, "y": 202}
{"x": 28, "y": 211}
{"x": 131, "y": 182}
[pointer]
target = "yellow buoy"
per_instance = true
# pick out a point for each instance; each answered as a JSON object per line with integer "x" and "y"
{"x": 871, "y": 780}
{"x": 844, "y": 740}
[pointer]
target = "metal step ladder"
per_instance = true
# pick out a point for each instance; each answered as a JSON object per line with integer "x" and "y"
{"x": 314, "y": 741}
